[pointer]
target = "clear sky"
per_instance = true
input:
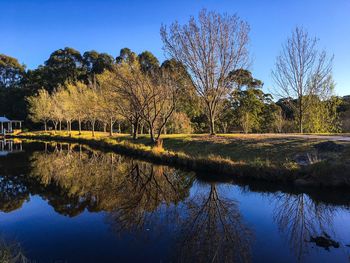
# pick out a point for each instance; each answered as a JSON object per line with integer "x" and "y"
{"x": 31, "y": 29}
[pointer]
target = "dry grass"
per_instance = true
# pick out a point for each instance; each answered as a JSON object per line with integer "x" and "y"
{"x": 251, "y": 156}
{"x": 249, "y": 148}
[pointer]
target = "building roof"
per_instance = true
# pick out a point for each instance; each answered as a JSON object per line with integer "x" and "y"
{"x": 4, "y": 119}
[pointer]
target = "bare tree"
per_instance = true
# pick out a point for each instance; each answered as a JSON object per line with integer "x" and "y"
{"x": 110, "y": 101}
{"x": 160, "y": 96}
{"x": 302, "y": 71}
{"x": 125, "y": 80}
{"x": 210, "y": 48}
{"x": 149, "y": 97}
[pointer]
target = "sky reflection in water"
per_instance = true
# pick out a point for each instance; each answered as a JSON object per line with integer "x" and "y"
{"x": 68, "y": 202}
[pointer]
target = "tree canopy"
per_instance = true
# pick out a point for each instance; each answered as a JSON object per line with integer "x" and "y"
{"x": 11, "y": 72}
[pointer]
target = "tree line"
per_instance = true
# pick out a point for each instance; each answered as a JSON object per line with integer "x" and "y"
{"x": 204, "y": 85}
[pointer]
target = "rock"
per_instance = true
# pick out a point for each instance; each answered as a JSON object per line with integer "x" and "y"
{"x": 324, "y": 241}
{"x": 329, "y": 146}
{"x": 304, "y": 159}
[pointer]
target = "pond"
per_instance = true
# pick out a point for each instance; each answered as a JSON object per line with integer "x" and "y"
{"x": 69, "y": 203}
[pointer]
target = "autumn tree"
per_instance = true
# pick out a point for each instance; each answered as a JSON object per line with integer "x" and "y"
{"x": 91, "y": 102}
{"x": 77, "y": 92}
{"x": 159, "y": 95}
{"x": 110, "y": 100}
{"x": 189, "y": 104}
{"x": 179, "y": 123}
{"x": 121, "y": 79}
{"x": 210, "y": 47}
{"x": 57, "y": 113}
{"x": 68, "y": 107}
{"x": 150, "y": 96}
{"x": 40, "y": 106}
{"x": 119, "y": 83}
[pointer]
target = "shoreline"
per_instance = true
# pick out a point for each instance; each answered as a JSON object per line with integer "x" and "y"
{"x": 317, "y": 175}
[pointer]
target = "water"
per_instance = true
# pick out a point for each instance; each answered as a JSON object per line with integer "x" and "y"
{"x": 69, "y": 203}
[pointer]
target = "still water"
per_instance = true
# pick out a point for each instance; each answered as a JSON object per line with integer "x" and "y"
{"x": 69, "y": 203}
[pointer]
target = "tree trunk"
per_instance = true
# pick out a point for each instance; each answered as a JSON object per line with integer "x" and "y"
{"x": 80, "y": 151}
{"x": 55, "y": 124}
{"x": 60, "y": 125}
{"x": 93, "y": 128}
{"x": 211, "y": 120}
{"x": 79, "y": 124}
{"x": 159, "y": 143}
{"x": 111, "y": 127}
{"x": 119, "y": 129}
{"x": 212, "y": 125}
{"x": 134, "y": 129}
{"x": 45, "y": 125}
{"x": 141, "y": 128}
{"x": 151, "y": 133}
{"x": 300, "y": 115}
{"x": 246, "y": 124}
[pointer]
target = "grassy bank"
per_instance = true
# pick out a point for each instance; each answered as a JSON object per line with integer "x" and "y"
{"x": 269, "y": 158}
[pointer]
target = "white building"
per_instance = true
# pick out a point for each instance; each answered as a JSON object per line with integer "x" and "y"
{"x": 9, "y": 126}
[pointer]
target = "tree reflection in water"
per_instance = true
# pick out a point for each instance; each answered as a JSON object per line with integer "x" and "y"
{"x": 140, "y": 196}
{"x": 13, "y": 193}
{"x": 213, "y": 230}
{"x": 11, "y": 252}
{"x": 149, "y": 194}
{"x": 301, "y": 219}
{"x": 204, "y": 225}
{"x": 105, "y": 181}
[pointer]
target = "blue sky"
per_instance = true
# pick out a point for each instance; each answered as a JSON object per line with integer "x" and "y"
{"x": 32, "y": 29}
